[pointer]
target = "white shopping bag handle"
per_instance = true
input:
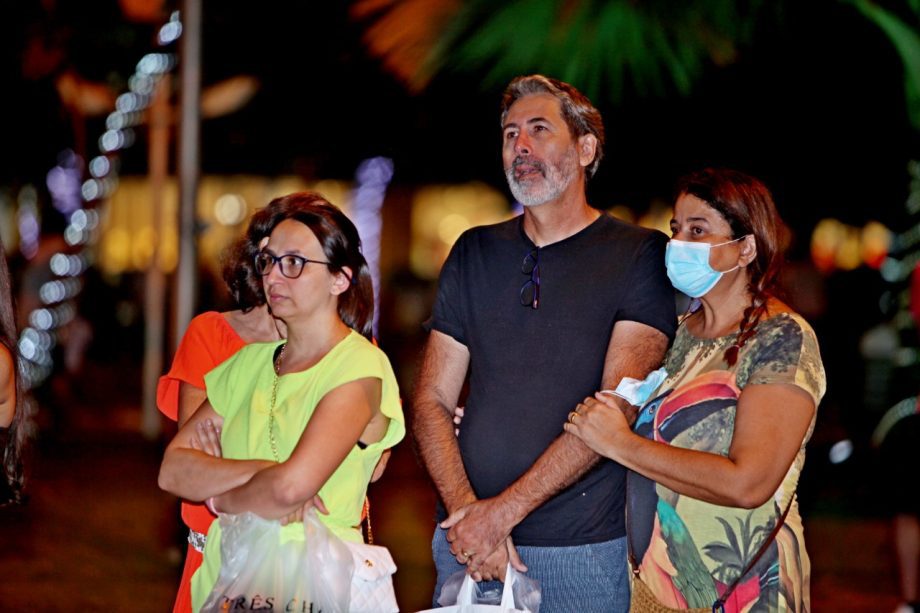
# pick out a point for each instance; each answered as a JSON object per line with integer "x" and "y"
{"x": 507, "y": 592}
{"x": 465, "y": 596}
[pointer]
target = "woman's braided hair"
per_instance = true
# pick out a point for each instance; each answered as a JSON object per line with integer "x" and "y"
{"x": 747, "y": 206}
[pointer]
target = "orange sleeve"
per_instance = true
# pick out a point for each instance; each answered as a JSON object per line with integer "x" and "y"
{"x": 208, "y": 341}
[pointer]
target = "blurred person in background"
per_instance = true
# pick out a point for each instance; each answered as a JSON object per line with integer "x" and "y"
{"x": 899, "y": 451}
{"x": 12, "y": 405}
{"x": 296, "y": 419}
{"x": 715, "y": 455}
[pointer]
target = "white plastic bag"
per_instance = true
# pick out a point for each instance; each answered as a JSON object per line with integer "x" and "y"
{"x": 258, "y": 570}
{"x": 520, "y": 594}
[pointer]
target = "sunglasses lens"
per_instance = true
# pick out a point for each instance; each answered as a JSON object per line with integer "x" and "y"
{"x": 529, "y": 263}
{"x": 528, "y": 293}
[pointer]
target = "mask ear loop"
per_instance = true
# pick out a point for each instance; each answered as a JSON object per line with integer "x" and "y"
{"x": 734, "y": 240}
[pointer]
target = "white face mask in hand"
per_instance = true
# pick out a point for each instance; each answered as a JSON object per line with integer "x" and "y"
{"x": 636, "y": 392}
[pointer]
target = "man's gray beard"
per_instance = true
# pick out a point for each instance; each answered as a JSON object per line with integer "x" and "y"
{"x": 555, "y": 181}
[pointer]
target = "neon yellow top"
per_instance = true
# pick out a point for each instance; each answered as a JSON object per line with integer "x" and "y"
{"x": 240, "y": 391}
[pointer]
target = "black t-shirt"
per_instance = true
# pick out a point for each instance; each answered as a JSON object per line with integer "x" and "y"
{"x": 530, "y": 367}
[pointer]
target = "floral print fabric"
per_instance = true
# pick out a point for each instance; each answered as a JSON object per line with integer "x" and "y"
{"x": 688, "y": 551}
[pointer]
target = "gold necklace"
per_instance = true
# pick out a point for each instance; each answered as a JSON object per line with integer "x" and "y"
{"x": 276, "y": 367}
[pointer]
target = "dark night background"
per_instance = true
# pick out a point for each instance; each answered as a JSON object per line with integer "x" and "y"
{"x": 813, "y": 104}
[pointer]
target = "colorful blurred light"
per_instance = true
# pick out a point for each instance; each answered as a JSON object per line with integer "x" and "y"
{"x": 838, "y": 246}
{"x": 372, "y": 177}
{"x": 69, "y": 194}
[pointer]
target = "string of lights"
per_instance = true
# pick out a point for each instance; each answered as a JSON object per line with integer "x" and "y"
{"x": 78, "y": 203}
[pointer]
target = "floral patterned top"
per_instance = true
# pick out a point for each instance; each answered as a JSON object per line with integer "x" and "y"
{"x": 688, "y": 551}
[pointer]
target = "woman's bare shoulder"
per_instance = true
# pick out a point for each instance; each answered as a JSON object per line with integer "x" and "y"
{"x": 775, "y": 306}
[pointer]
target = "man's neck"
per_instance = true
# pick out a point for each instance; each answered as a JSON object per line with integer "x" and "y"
{"x": 559, "y": 219}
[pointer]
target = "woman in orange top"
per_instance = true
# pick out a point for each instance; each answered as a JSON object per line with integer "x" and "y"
{"x": 210, "y": 339}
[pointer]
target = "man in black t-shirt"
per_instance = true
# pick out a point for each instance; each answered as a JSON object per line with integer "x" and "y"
{"x": 540, "y": 311}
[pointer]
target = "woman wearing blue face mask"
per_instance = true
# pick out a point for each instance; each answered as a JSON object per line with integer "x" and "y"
{"x": 717, "y": 448}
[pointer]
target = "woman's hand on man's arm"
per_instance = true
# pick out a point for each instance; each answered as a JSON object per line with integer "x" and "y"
{"x": 770, "y": 424}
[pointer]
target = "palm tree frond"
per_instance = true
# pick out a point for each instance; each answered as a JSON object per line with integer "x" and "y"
{"x": 906, "y": 40}
{"x": 604, "y": 47}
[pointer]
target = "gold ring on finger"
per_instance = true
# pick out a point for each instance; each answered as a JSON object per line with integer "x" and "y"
{"x": 572, "y": 416}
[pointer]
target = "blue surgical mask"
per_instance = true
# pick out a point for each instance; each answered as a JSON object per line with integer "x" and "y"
{"x": 689, "y": 269}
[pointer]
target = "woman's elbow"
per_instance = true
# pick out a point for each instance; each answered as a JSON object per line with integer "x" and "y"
{"x": 751, "y": 500}
{"x": 752, "y": 495}
{"x": 290, "y": 493}
{"x": 166, "y": 479}
{"x": 164, "y": 482}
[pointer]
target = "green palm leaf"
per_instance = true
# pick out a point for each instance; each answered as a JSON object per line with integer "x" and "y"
{"x": 906, "y": 40}
{"x": 605, "y": 47}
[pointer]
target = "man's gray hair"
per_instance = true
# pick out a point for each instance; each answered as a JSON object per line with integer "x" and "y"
{"x": 578, "y": 112}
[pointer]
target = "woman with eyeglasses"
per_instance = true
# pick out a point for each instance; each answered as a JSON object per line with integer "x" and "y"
{"x": 308, "y": 416}
{"x": 716, "y": 451}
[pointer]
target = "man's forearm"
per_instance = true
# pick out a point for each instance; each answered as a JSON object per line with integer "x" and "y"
{"x": 480, "y": 527}
{"x": 433, "y": 430}
{"x": 563, "y": 463}
{"x": 437, "y": 389}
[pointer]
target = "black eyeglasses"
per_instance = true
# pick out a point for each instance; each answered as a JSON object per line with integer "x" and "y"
{"x": 530, "y": 291}
{"x": 291, "y": 265}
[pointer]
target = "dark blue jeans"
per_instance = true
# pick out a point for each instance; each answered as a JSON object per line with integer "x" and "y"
{"x": 585, "y": 578}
